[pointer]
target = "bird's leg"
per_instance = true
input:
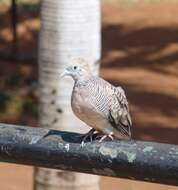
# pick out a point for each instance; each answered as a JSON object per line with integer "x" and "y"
{"x": 105, "y": 136}
{"x": 89, "y": 134}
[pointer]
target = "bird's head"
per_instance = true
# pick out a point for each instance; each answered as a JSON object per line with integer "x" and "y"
{"x": 78, "y": 68}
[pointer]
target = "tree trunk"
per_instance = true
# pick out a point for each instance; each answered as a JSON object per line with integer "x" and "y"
{"x": 68, "y": 29}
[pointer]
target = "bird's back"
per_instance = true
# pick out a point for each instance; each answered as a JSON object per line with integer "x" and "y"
{"x": 95, "y": 92}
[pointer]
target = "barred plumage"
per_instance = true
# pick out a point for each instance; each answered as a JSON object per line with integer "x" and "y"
{"x": 99, "y": 104}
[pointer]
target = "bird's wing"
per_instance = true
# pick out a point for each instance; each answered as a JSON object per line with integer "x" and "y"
{"x": 119, "y": 115}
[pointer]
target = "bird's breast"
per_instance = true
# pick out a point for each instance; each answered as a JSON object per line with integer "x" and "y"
{"x": 79, "y": 102}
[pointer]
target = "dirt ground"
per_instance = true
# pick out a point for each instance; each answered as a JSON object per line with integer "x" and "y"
{"x": 14, "y": 177}
{"x": 140, "y": 53}
{"x": 140, "y": 48}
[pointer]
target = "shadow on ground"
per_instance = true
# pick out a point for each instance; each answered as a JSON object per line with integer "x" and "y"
{"x": 144, "y": 61}
{"x": 141, "y": 48}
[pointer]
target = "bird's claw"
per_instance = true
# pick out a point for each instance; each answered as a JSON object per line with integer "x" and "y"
{"x": 106, "y": 136}
{"x": 82, "y": 144}
{"x": 90, "y": 136}
{"x": 87, "y": 135}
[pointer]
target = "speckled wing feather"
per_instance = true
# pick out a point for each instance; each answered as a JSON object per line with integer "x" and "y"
{"x": 119, "y": 116}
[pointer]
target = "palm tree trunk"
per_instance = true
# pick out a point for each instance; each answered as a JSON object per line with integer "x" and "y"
{"x": 68, "y": 29}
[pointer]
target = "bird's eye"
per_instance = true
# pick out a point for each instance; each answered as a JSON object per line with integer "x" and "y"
{"x": 75, "y": 67}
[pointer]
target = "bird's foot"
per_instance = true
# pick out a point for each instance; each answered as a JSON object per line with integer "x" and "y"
{"x": 103, "y": 137}
{"x": 86, "y": 136}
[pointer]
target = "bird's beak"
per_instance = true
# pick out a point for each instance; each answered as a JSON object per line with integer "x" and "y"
{"x": 64, "y": 73}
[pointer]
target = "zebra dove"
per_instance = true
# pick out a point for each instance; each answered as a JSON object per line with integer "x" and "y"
{"x": 97, "y": 103}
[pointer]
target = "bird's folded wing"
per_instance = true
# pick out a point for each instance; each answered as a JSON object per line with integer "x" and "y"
{"x": 119, "y": 115}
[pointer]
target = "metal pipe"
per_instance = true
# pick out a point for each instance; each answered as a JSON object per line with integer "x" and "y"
{"x": 136, "y": 160}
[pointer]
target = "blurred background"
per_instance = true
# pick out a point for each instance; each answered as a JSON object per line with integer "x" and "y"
{"x": 139, "y": 52}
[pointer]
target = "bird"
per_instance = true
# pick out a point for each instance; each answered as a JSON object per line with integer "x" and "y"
{"x": 98, "y": 103}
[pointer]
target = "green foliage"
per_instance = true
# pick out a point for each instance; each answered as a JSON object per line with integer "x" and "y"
{"x": 29, "y": 7}
{"x": 4, "y": 98}
{"x": 30, "y": 107}
{"x": 10, "y": 104}
{"x": 14, "y": 80}
{"x": 26, "y": 5}
{"x": 130, "y": 3}
{"x": 14, "y": 106}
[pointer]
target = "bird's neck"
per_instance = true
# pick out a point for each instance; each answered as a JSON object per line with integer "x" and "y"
{"x": 82, "y": 81}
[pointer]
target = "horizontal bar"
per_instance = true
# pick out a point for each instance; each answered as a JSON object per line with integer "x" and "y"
{"x": 136, "y": 160}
